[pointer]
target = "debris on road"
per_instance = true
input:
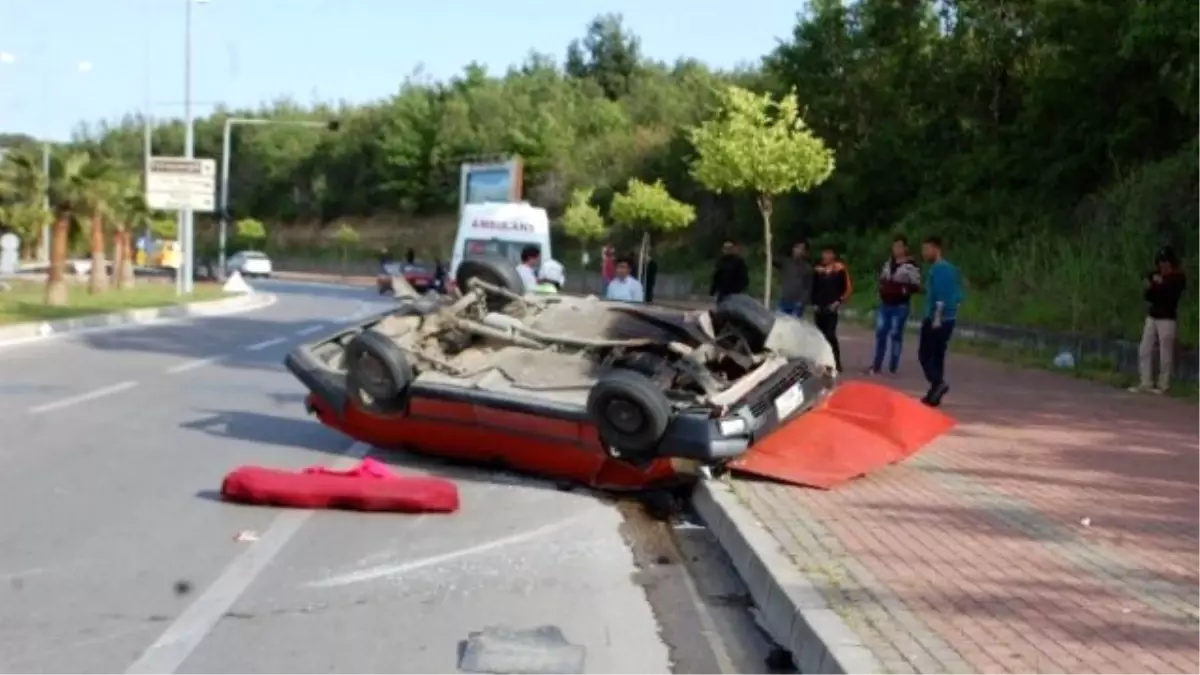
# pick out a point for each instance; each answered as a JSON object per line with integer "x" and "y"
{"x": 370, "y": 486}
{"x": 534, "y": 651}
{"x": 245, "y": 536}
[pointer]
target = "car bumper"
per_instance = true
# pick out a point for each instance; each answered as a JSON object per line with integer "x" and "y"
{"x": 700, "y": 437}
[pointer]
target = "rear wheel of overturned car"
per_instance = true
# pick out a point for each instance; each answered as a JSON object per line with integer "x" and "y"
{"x": 747, "y": 316}
{"x": 376, "y": 367}
{"x": 492, "y": 270}
{"x": 630, "y": 412}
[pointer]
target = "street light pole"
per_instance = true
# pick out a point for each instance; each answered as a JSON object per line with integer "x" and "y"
{"x": 226, "y": 154}
{"x": 189, "y": 151}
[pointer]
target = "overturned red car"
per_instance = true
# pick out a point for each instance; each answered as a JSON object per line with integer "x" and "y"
{"x": 613, "y": 395}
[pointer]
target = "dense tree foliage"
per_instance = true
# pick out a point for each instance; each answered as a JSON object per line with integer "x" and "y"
{"x": 1051, "y": 143}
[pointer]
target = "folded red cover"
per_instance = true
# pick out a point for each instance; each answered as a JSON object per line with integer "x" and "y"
{"x": 370, "y": 486}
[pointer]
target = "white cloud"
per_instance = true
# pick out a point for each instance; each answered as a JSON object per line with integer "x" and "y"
{"x": 84, "y": 66}
{"x": 8, "y": 57}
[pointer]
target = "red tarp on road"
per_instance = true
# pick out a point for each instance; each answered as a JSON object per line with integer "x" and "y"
{"x": 370, "y": 486}
{"x": 861, "y": 427}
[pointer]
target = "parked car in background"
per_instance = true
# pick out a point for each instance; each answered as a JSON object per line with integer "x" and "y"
{"x": 249, "y": 264}
{"x": 423, "y": 277}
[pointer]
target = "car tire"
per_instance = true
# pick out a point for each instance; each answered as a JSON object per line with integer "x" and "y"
{"x": 630, "y": 412}
{"x": 494, "y": 270}
{"x": 748, "y": 316}
{"x": 377, "y": 367}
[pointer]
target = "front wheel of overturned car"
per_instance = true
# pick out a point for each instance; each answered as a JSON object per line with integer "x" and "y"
{"x": 630, "y": 412}
{"x": 377, "y": 367}
{"x": 747, "y": 316}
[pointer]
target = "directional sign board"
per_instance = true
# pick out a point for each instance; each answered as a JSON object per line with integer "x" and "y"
{"x": 177, "y": 183}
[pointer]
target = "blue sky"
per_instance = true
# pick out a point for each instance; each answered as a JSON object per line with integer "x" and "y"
{"x": 67, "y": 61}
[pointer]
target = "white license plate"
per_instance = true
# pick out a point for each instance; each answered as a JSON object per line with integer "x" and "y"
{"x": 789, "y": 401}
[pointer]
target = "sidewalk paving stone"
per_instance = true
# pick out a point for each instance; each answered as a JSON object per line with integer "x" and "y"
{"x": 1053, "y": 530}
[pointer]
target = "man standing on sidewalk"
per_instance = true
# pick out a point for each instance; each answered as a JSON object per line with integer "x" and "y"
{"x": 943, "y": 295}
{"x": 1164, "y": 288}
{"x": 898, "y": 280}
{"x": 831, "y": 288}
{"x": 795, "y": 280}
{"x": 731, "y": 275}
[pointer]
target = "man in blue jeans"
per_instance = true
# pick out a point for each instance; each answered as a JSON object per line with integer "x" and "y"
{"x": 943, "y": 295}
{"x": 899, "y": 279}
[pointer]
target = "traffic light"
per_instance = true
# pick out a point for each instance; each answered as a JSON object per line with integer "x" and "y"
{"x": 334, "y": 125}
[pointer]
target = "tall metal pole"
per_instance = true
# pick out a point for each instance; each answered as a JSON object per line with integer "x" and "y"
{"x": 189, "y": 151}
{"x": 223, "y": 205}
{"x": 147, "y": 126}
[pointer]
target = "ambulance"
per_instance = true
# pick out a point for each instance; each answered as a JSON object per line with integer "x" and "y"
{"x": 500, "y": 229}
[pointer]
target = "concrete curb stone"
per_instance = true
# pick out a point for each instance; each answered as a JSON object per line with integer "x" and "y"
{"x": 794, "y": 611}
{"x": 23, "y": 333}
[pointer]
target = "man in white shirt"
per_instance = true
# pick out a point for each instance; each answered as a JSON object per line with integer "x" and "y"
{"x": 623, "y": 287}
{"x": 531, "y": 257}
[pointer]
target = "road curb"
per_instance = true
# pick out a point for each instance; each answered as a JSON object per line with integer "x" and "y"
{"x": 25, "y": 333}
{"x": 793, "y": 610}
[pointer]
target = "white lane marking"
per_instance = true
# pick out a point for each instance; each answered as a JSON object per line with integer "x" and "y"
{"x": 310, "y": 330}
{"x": 190, "y": 628}
{"x": 192, "y": 365}
{"x": 383, "y": 571}
{"x": 362, "y": 310}
{"x": 259, "y": 346}
{"x": 81, "y": 398}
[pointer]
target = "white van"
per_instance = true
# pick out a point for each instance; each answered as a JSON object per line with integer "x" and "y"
{"x": 500, "y": 229}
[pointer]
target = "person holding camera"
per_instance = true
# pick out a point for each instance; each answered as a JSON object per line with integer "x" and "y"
{"x": 1163, "y": 287}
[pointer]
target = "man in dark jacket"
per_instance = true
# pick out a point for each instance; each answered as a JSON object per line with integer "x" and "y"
{"x": 651, "y": 274}
{"x": 898, "y": 280}
{"x": 731, "y": 276}
{"x": 795, "y": 280}
{"x": 831, "y": 289}
{"x": 1164, "y": 288}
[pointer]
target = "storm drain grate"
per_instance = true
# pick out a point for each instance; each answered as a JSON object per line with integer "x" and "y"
{"x": 534, "y": 651}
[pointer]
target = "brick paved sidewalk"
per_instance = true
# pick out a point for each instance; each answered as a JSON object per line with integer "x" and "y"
{"x": 1054, "y": 530}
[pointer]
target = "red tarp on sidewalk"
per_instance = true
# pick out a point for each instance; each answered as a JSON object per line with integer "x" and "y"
{"x": 370, "y": 486}
{"x": 861, "y": 427}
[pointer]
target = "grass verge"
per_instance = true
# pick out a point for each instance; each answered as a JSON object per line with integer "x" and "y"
{"x": 25, "y": 301}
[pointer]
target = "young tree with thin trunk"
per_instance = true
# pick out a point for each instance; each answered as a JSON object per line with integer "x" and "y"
{"x": 582, "y": 220}
{"x": 758, "y": 145}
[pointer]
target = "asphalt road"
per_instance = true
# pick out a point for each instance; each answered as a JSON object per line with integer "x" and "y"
{"x": 116, "y": 555}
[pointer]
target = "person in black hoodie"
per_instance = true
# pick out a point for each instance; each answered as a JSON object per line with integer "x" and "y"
{"x": 731, "y": 275}
{"x": 1164, "y": 287}
{"x": 831, "y": 288}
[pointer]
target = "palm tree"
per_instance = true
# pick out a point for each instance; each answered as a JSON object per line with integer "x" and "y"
{"x": 99, "y": 195}
{"x": 130, "y": 215}
{"x": 68, "y": 193}
{"x": 22, "y": 190}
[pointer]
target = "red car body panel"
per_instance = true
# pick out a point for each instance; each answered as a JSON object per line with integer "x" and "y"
{"x": 479, "y": 434}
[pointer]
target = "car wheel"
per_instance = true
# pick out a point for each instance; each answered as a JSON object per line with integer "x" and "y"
{"x": 746, "y": 315}
{"x": 493, "y": 270}
{"x": 377, "y": 367}
{"x": 631, "y": 413}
